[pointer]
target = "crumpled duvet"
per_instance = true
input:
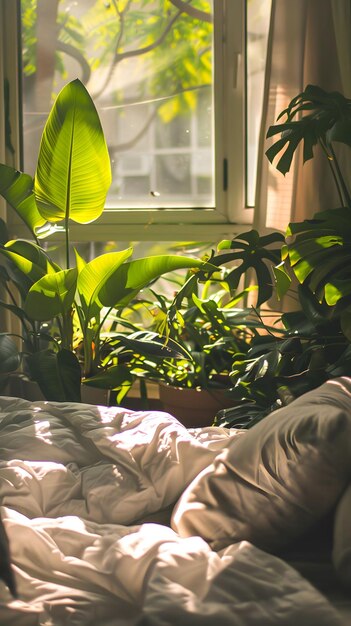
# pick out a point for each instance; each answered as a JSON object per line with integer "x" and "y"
{"x": 87, "y": 493}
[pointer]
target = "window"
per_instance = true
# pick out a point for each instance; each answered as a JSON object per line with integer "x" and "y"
{"x": 173, "y": 84}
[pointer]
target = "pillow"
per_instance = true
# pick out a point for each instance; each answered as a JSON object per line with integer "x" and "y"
{"x": 277, "y": 480}
{"x": 342, "y": 538}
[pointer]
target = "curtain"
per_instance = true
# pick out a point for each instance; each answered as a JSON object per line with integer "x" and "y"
{"x": 309, "y": 43}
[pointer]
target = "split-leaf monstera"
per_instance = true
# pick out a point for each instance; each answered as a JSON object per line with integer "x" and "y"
{"x": 62, "y": 309}
{"x": 312, "y": 342}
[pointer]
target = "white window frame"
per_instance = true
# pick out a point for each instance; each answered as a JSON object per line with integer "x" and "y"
{"x": 230, "y": 216}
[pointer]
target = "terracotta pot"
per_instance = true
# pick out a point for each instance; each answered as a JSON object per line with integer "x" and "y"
{"x": 194, "y": 408}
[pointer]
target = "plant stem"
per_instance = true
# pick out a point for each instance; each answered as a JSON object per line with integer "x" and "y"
{"x": 143, "y": 394}
{"x": 67, "y": 241}
{"x": 346, "y": 195}
{"x": 59, "y": 324}
{"x": 67, "y": 330}
{"x": 332, "y": 169}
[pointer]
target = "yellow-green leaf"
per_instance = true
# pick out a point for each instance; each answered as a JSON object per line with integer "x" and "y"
{"x": 73, "y": 173}
{"x": 52, "y": 295}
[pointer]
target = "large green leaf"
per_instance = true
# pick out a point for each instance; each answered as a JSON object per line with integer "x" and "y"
{"x": 324, "y": 116}
{"x": 315, "y": 311}
{"x": 126, "y": 282}
{"x": 29, "y": 258}
{"x": 319, "y": 252}
{"x": 108, "y": 281}
{"x": 57, "y": 374}
{"x": 94, "y": 275}
{"x": 10, "y": 358}
{"x": 17, "y": 189}
{"x": 336, "y": 290}
{"x": 52, "y": 295}
{"x": 73, "y": 172}
{"x": 113, "y": 378}
{"x": 282, "y": 280}
{"x": 253, "y": 252}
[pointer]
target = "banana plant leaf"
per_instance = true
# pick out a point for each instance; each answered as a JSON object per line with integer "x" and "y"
{"x": 58, "y": 374}
{"x": 123, "y": 285}
{"x": 29, "y": 258}
{"x": 51, "y": 295}
{"x": 94, "y": 275}
{"x": 110, "y": 282}
{"x": 73, "y": 172}
{"x": 10, "y": 272}
{"x": 17, "y": 189}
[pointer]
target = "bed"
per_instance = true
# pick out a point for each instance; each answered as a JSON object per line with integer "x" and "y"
{"x": 120, "y": 518}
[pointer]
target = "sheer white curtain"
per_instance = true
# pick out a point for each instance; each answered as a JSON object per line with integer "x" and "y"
{"x": 309, "y": 43}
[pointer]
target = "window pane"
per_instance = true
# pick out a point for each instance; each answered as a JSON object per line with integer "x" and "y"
{"x": 148, "y": 67}
{"x": 258, "y": 15}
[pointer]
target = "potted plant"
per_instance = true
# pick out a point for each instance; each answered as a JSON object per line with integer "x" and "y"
{"x": 204, "y": 320}
{"x": 315, "y": 344}
{"x": 62, "y": 310}
{"x": 303, "y": 348}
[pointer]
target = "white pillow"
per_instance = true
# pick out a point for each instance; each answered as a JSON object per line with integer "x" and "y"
{"x": 275, "y": 482}
{"x": 342, "y": 538}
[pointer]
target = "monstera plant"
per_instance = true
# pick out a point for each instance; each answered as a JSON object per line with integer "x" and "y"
{"x": 62, "y": 309}
{"x": 311, "y": 344}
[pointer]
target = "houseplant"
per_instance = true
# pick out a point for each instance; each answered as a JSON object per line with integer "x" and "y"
{"x": 315, "y": 344}
{"x": 203, "y": 318}
{"x": 303, "y": 348}
{"x": 71, "y": 183}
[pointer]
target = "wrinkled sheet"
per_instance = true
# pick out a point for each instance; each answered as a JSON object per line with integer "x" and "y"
{"x": 87, "y": 493}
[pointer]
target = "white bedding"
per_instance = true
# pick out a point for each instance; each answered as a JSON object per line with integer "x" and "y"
{"x": 86, "y": 496}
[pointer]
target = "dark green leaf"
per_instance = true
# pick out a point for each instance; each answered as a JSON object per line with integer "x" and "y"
{"x": 148, "y": 343}
{"x": 115, "y": 377}
{"x": 313, "y": 310}
{"x": 9, "y": 355}
{"x": 17, "y": 189}
{"x": 57, "y": 374}
{"x": 4, "y": 235}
